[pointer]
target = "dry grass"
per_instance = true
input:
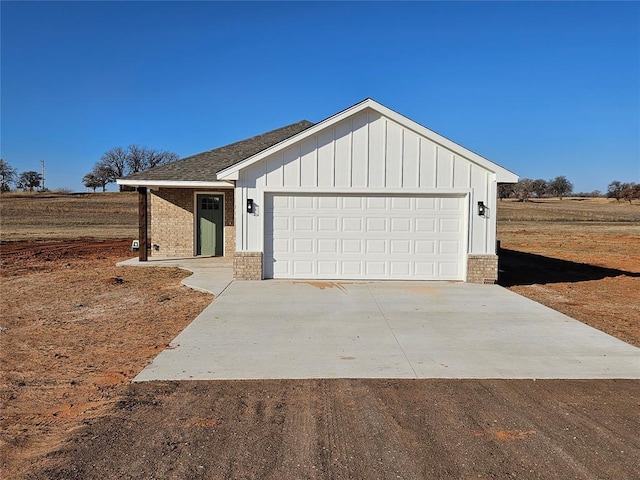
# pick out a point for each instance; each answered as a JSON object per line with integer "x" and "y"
{"x": 597, "y": 231}
{"x": 602, "y": 210}
{"x": 57, "y": 216}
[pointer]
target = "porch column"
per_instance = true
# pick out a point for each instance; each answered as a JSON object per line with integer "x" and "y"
{"x": 142, "y": 224}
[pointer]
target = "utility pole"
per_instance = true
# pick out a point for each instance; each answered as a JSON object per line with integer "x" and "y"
{"x": 42, "y": 162}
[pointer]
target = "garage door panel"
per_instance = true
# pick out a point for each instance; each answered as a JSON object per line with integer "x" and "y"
{"x": 425, "y": 225}
{"x": 328, "y": 245}
{"x": 401, "y": 269}
{"x": 375, "y": 246}
{"x": 368, "y": 237}
{"x": 303, "y": 245}
{"x": 352, "y": 246}
{"x": 448, "y": 269}
{"x": 328, "y": 224}
{"x": 376, "y": 203}
{"x": 327, "y": 267}
{"x": 449, "y": 246}
{"x": 279, "y": 202}
{"x": 302, "y": 202}
{"x": 426, "y": 203}
{"x": 352, "y": 203}
{"x": 352, "y": 224}
{"x": 303, "y": 224}
{"x": 401, "y": 203}
{"x": 376, "y": 224}
{"x": 449, "y": 204}
{"x": 400, "y": 246}
{"x": 425, "y": 269}
{"x": 328, "y": 203}
{"x": 280, "y": 223}
{"x": 376, "y": 269}
{"x": 351, "y": 269}
{"x": 450, "y": 225}
{"x": 400, "y": 225}
{"x": 281, "y": 245}
{"x": 280, "y": 268}
{"x": 303, "y": 268}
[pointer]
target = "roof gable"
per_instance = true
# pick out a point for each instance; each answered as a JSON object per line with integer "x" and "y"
{"x": 204, "y": 166}
{"x": 502, "y": 174}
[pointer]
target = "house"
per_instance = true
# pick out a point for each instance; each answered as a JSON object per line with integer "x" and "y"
{"x": 364, "y": 194}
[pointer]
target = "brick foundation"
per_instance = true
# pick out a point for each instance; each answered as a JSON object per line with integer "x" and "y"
{"x": 482, "y": 269}
{"x": 247, "y": 266}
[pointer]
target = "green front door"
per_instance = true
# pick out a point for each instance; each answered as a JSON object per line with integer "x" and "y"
{"x": 210, "y": 221}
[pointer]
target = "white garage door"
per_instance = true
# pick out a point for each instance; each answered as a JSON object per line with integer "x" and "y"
{"x": 332, "y": 236}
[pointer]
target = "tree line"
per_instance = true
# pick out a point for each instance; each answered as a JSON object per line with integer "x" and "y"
{"x": 29, "y": 180}
{"x": 560, "y": 187}
{"x": 526, "y": 188}
{"x": 119, "y": 162}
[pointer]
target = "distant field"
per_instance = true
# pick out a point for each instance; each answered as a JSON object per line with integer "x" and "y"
{"x": 37, "y": 216}
{"x": 591, "y": 230}
{"x": 568, "y": 210}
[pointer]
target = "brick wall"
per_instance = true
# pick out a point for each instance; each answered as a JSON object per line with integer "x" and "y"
{"x": 229, "y": 224}
{"x": 247, "y": 266}
{"x": 482, "y": 269}
{"x": 172, "y": 222}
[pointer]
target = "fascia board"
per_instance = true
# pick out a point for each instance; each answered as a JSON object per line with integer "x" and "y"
{"x": 174, "y": 183}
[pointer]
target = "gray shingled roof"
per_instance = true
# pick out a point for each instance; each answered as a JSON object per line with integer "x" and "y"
{"x": 204, "y": 166}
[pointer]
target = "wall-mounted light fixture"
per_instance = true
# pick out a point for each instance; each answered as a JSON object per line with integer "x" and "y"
{"x": 482, "y": 209}
{"x": 251, "y": 208}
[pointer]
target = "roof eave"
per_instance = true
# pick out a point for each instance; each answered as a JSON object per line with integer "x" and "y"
{"x": 174, "y": 183}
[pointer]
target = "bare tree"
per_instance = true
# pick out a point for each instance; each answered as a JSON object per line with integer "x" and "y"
{"x": 7, "y": 176}
{"x": 524, "y": 188}
{"x": 506, "y": 190}
{"x": 115, "y": 160}
{"x": 614, "y": 190}
{"x": 119, "y": 162}
{"x": 90, "y": 181}
{"x": 142, "y": 158}
{"x": 100, "y": 176}
{"x": 539, "y": 187}
{"x": 630, "y": 191}
{"x": 29, "y": 180}
{"x": 560, "y": 187}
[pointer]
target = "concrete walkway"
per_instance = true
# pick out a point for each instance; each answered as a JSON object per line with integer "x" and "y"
{"x": 319, "y": 329}
{"x": 209, "y": 274}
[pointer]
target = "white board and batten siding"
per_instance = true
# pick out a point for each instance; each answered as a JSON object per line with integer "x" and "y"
{"x": 371, "y": 159}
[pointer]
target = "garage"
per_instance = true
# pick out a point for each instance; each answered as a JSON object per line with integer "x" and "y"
{"x": 366, "y": 194}
{"x": 365, "y": 236}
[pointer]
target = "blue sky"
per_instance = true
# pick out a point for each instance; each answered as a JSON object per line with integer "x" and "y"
{"x": 543, "y": 89}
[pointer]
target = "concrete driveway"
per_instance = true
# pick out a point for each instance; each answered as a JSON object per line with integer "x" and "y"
{"x": 317, "y": 329}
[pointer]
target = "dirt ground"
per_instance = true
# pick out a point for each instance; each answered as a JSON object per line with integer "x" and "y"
{"x": 580, "y": 257}
{"x": 75, "y": 329}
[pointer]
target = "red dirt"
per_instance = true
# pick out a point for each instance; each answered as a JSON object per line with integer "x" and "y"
{"x": 75, "y": 330}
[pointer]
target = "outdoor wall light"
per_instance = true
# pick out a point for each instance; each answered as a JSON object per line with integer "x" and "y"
{"x": 250, "y": 206}
{"x": 482, "y": 209}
